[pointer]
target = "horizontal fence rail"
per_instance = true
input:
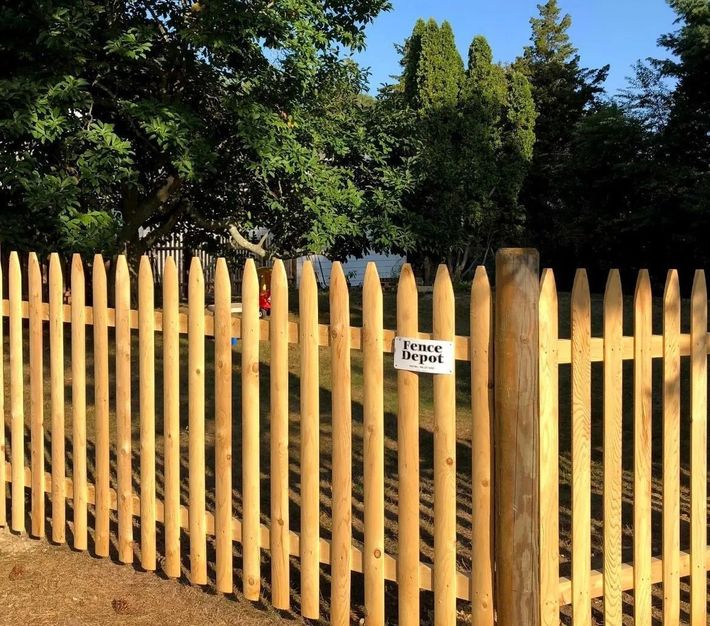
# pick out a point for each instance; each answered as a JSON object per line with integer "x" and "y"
{"x": 173, "y": 427}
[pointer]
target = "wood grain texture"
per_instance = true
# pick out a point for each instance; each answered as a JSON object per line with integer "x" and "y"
{"x": 196, "y": 422}
{"x": 310, "y": 444}
{"x": 56, "y": 388}
{"x": 146, "y": 371}
{"x": 613, "y": 327}
{"x": 581, "y": 448}
{"x": 3, "y": 478}
{"x": 34, "y": 280}
{"x": 223, "y": 427}
{"x": 280, "y": 579}
{"x": 101, "y": 406}
{"x": 516, "y": 414}
{"x": 124, "y": 463}
{"x": 78, "y": 402}
{"x": 671, "y": 449}
{"x": 17, "y": 386}
{"x": 444, "y": 459}
{"x": 549, "y": 452}
{"x": 698, "y": 449}
{"x": 482, "y": 400}
{"x": 250, "y": 431}
{"x": 171, "y": 417}
{"x": 341, "y": 551}
{"x": 642, "y": 450}
{"x": 373, "y": 448}
{"x": 408, "y": 458}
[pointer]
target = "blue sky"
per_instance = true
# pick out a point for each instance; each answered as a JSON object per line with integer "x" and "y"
{"x": 617, "y": 32}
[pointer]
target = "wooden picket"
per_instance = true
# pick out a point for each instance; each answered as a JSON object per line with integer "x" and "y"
{"x": 223, "y": 427}
{"x": 373, "y": 447}
{"x": 581, "y": 448}
{"x": 642, "y": 450}
{"x": 146, "y": 371}
{"x": 549, "y": 444}
{"x": 171, "y": 418}
{"x": 698, "y": 450}
{"x": 101, "y": 400}
{"x": 671, "y": 449}
{"x": 278, "y": 334}
{"x": 124, "y": 472}
{"x": 34, "y": 277}
{"x": 56, "y": 374}
{"x": 341, "y": 552}
{"x": 78, "y": 398}
{"x": 444, "y": 460}
{"x": 17, "y": 410}
{"x": 541, "y": 350}
{"x": 613, "y": 436}
{"x": 196, "y": 423}
{"x": 408, "y": 458}
{"x": 251, "y": 535}
{"x": 3, "y": 452}
{"x": 310, "y": 448}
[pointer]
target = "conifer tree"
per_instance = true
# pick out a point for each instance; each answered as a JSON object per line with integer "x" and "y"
{"x": 564, "y": 93}
{"x": 474, "y": 139}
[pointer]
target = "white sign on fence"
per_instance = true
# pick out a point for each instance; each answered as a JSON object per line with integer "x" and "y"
{"x": 424, "y": 355}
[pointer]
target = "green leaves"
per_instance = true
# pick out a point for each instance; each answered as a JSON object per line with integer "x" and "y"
{"x": 132, "y": 44}
{"x": 458, "y": 169}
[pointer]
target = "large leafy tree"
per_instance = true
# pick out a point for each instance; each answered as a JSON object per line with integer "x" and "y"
{"x": 564, "y": 92}
{"x": 120, "y": 120}
{"x": 685, "y": 139}
{"x": 466, "y": 139}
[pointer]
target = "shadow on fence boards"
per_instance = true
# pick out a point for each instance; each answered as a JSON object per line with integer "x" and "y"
{"x": 540, "y": 539}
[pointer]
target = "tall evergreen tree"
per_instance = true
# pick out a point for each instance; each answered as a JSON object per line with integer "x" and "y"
{"x": 564, "y": 93}
{"x": 473, "y": 142}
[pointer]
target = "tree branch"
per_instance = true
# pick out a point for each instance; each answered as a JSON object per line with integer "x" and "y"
{"x": 239, "y": 241}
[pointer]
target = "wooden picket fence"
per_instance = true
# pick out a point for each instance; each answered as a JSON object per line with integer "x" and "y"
{"x": 515, "y": 353}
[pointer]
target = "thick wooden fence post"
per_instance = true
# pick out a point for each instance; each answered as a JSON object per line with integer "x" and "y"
{"x": 516, "y": 437}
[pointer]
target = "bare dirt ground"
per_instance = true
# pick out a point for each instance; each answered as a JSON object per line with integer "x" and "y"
{"x": 43, "y": 584}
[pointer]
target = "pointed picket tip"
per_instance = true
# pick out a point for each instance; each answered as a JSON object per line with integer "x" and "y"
{"x": 671, "y": 291}
{"x": 548, "y": 286}
{"x": 278, "y": 274}
{"x": 643, "y": 283}
{"x": 169, "y": 265}
{"x": 480, "y": 276}
{"x": 222, "y": 287}
{"x": 77, "y": 265}
{"x": 56, "y": 282}
{"x": 699, "y": 285}
{"x": 121, "y": 263}
{"x": 98, "y": 261}
{"x": 32, "y": 259}
{"x": 580, "y": 287}
{"x": 407, "y": 282}
{"x": 221, "y": 267}
{"x": 442, "y": 275}
{"x": 612, "y": 291}
{"x": 250, "y": 280}
{"x": 195, "y": 265}
{"x": 145, "y": 269}
{"x": 444, "y": 317}
{"x": 14, "y": 258}
{"x": 337, "y": 275}
{"x": 55, "y": 263}
{"x": 371, "y": 272}
{"x": 371, "y": 284}
{"x": 308, "y": 275}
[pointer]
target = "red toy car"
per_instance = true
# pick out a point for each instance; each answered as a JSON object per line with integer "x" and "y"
{"x": 264, "y": 274}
